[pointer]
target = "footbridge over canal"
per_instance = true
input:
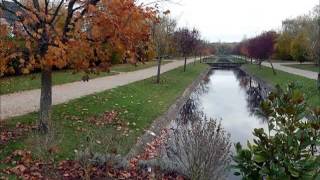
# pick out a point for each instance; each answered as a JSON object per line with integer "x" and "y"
{"x": 223, "y": 62}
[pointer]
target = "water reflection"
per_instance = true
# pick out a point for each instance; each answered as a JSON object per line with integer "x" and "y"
{"x": 255, "y": 92}
{"x": 233, "y": 97}
{"x": 230, "y": 96}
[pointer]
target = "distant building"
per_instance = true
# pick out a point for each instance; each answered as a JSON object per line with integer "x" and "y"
{"x": 10, "y": 19}
{"x": 7, "y": 17}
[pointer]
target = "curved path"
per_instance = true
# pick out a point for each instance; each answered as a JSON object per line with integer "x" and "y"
{"x": 300, "y": 72}
{"x": 24, "y": 102}
{"x": 282, "y": 66}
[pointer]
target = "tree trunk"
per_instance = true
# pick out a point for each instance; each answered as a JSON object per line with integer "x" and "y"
{"x": 195, "y": 59}
{"x": 45, "y": 100}
{"x": 185, "y": 64}
{"x": 251, "y": 61}
{"x": 159, "y": 70}
{"x": 260, "y": 64}
{"x": 200, "y": 58}
{"x": 274, "y": 72}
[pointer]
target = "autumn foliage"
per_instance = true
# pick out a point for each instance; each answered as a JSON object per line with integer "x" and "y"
{"x": 298, "y": 40}
{"x": 260, "y": 47}
{"x": 80, "y": 34}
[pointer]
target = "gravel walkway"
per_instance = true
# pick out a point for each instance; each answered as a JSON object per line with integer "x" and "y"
{"x": 282, "y": 66}
{"x": 300, "y": 72}
{"x": 21, "y": 103}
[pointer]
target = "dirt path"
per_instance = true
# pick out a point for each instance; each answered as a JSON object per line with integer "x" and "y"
{"x": 21, "y": 103}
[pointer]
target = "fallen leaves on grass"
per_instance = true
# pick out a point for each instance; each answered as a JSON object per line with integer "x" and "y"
{"x": 13, "y": 134}
{"x": 107, "y": 118}
{"x": 152, "y": 149}
{"x": 24, "y": 166}
{"x": 72, "y": 170}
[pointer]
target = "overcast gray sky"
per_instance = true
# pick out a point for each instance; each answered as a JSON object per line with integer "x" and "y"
{"x": 231, "y": 20}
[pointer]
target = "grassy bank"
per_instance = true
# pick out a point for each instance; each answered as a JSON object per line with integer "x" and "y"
{"x": 282, "y": 78}
{"x": 32, "y": 81}
{"x": 308, "y": 67}
{"x": 79, "y": 124}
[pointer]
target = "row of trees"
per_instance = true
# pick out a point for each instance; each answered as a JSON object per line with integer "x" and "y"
{"x": 79, "y": 34}
{"x": 85, "y": 36}
{"x": 170, "y": 41}
{"x": 298, "y": 40}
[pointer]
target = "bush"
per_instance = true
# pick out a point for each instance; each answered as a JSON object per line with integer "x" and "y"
{"x": 289, "y": 149}
{"x": 199, "y": 149}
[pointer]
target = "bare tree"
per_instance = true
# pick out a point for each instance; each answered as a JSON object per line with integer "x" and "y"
{"x": 162, "y": 37}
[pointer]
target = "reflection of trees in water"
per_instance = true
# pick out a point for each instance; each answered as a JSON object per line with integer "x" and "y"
{"x": 187, "y": 111}
{"x": 254, "y": 98}
{"x": 255, "y": 93}
{"x": 203, "y": 87}
{"x": 242, "y": 78}
{"x": 192, "y": 105}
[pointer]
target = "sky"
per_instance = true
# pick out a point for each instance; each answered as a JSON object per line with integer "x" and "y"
{"x": 232, "y": 20}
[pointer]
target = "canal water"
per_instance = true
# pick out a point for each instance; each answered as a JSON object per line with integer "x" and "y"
{"x": 233, "y": 98}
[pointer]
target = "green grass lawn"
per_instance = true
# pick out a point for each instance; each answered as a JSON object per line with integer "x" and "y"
{"x": 309, "y": 86}
{"x": 309, "y": 67}
{"x": 138, "y": 104}
{"x": 32, "y": 81}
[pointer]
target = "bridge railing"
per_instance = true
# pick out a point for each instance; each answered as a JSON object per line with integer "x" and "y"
{"x": 218, "y": 59}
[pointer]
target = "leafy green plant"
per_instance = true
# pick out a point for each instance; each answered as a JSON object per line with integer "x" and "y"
{"x": 290, "y": 147}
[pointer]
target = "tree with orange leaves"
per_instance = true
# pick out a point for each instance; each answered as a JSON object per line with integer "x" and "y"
{"x": 72, "y": 32}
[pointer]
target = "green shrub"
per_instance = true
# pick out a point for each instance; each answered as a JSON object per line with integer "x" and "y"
{"x": 289, "y": 149}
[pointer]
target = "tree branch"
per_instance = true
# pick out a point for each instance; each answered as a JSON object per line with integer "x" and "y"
{"x": 67, "y": 22}
{"x": 36, "y": 5}
{"x": 28, "y": 32}
{"x": 56, "y": 12}
{"x": 71, "y": 10}
{"x": 46, "y": 2}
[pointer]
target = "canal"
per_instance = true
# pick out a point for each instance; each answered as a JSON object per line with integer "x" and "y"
{"x": 232, "y": 98}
